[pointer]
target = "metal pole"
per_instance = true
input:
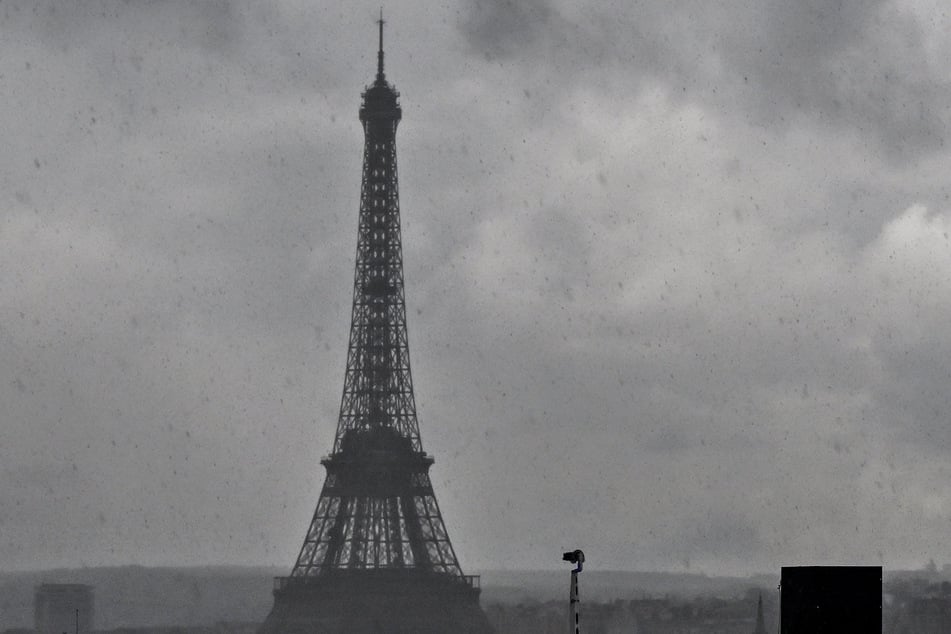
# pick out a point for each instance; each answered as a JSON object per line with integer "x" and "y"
{"x": 575, "y": 613}
{"x": 574, "y": 599}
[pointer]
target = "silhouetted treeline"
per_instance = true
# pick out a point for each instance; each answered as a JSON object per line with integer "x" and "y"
{"x": 135, "y": 600}
{"x": 142, "y": 597}
{"x": 638, "y": 616}
{"x": 917, "y": 605}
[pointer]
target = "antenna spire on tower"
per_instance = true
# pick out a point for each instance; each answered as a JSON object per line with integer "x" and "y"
{"x": 379, "y": 55}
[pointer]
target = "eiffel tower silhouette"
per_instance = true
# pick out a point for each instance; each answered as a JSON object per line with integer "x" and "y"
{"x": 377, "y": 557}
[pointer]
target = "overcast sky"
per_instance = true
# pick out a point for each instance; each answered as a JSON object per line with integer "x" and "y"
{"x": 678, "y": 276}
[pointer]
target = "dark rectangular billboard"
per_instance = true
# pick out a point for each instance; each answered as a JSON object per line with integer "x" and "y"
{"x": 831, "y": 599}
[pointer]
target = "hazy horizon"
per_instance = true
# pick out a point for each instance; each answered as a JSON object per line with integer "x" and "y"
{"x": 676, "y": 277}
{"x": 286, "y": 568}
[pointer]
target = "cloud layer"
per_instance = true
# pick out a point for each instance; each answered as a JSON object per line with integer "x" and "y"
{"x": 677, "y": 276}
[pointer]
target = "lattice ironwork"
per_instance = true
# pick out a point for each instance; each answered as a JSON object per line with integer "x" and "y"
{"x": 377, "y": 509}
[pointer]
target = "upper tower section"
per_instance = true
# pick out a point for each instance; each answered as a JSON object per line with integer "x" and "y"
{"x": 378, "y": 401}
{"x": 380, "y": 112}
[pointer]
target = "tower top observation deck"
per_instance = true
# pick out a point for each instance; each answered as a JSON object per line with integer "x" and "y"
{"x": 380, "y": 99}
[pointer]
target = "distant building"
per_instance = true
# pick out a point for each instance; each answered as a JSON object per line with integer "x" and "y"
{"x": 760, "y": 622}
{"x": 60, "y": 608}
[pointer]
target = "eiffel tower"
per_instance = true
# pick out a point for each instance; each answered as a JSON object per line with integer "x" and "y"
{"x": 377, "y": 557}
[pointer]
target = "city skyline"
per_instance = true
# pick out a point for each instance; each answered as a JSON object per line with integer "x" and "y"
{"x": 676, "y": 278}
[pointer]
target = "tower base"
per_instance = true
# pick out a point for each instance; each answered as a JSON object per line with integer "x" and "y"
{"x": 376, "y": 602}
